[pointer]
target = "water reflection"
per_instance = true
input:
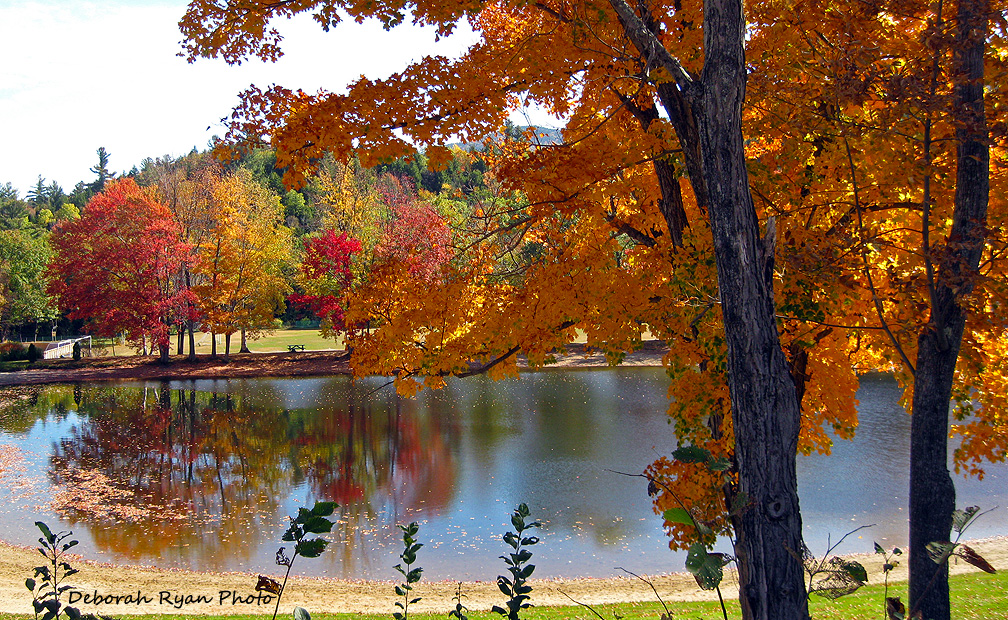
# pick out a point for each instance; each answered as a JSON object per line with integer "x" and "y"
{"x": 201, "y": 474}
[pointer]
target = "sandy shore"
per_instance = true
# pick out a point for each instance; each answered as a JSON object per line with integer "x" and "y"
{"x": 166, "y": 590}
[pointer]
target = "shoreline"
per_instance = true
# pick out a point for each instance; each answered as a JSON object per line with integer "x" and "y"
{"x": 246, "y": 365}
{"x": 320, "y": 594}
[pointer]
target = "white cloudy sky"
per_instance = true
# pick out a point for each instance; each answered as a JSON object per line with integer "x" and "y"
{"x": 79, "y": 74}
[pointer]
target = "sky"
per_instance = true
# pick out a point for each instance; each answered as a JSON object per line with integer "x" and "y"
{"x": 77, "y": 75}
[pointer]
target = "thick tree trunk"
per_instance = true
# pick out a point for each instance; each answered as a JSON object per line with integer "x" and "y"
{"x": 244, "y": 343}
{"x": 707, "y": 115}
{"x": 765, "y": 409}
{"x": 164, "y": 349}
{"x": 227, "y": 345}
{"x": 181, "y": 339}
{"x": 213, "y": 344}
{"x": 932, "y": 493}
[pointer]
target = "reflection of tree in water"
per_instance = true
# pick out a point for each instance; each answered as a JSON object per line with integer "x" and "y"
{"x": 368, "y": 451}
{"x": 170, "y": 454}
{"x": 201, "y": 478}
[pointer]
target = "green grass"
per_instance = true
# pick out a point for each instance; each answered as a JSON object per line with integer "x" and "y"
{"x": 977, "y": 596}
{"x": 269, "y": 343}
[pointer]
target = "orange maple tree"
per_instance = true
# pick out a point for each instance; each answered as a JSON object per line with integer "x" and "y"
{"x": 621, "y": 229}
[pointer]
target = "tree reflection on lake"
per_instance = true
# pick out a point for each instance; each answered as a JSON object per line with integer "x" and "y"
{"x": 201, "y": 474}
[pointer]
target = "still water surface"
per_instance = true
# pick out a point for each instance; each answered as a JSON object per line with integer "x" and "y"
{"x": 202, "y": 473}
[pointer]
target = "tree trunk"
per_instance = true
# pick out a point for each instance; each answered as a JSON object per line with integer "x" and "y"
{"x": 181, "y": 338}
{"x": 932, "y": 493}
{"x": 192, "y": 340}
{"x": 213, "y": 344}
{"x": 765, "y": 409}
{"x": 165, "y": 351}
{"x": 227, "y": 345}
{"x": 244, "y": 343}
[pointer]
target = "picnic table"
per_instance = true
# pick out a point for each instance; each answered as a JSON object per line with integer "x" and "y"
{"x": 295, "y": 347}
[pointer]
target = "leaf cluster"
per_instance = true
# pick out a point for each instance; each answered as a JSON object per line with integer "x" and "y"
{"x": 306, "y": 522}
{"x": 47, "y": 586}
{"x": 515, "y": 586}
{"x": 410, "y": 575}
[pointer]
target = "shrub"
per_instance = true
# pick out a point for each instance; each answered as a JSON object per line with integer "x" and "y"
{"x": 11, "y": 351}
{"x": 33, "y": 353}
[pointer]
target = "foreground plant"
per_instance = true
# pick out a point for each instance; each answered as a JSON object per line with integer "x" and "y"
{"x": 47, "y": 587}
{"x": 515, "y": 587}
{"x": 312, "y": 521}
{"x": 410, "y": 575}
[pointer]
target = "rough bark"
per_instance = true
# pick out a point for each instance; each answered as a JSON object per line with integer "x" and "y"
{"x": 932, "y": 493}
{"x": 765, "y": 408}
{"x": 707, "y": 115}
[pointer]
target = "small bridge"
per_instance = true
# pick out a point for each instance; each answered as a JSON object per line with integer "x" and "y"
{"x": 64, "y": 348}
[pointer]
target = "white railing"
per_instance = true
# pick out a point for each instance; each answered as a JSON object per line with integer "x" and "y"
{"x": 64, "y": 348}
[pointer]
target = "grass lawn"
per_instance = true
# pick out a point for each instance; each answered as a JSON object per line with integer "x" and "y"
{"x": 278, "y": 340}
{"x": 976, "y": 596}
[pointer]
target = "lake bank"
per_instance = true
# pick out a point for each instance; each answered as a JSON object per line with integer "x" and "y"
{"x": 301, "y": 364}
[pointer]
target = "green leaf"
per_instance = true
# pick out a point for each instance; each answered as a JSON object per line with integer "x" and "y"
{"x": 303, "y": 515}
{"x": 72, "y": 613}
{"x": 530, "y": 540}
{"x": 312, "y": 548}
{"x": 318, "y": 525}
{"x": 707, "y": 568}
{"x": 678, "y": 515}
{"x": 961, "y": 518}
{"x": 691, "y": 454}
{"x": 505, "y": 588}
{"x": 518, "y": 522}
{"x": 30, "y": 584}
{"x": 414, "y": 575}
{"x": 300, "y": 613}
{"x": 46, "y": 533}
{"x": 400, "y": 591}
{"x": 721, "y": 464}
{"x": 527, "y": 571}
{"x": 939, "y": 552}
{"x": 415, "y": 600}
{"x": 323, "y": 509}
{"x": 879, "y": 549}
{"x": 856, "y": 570}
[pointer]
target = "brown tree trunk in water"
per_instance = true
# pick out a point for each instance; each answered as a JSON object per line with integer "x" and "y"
{"x": 932, "y": 493}
{"x": 765, "y": 409}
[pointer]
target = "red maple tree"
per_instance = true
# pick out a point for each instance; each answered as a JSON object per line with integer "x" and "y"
{"x": 116, "y": 266}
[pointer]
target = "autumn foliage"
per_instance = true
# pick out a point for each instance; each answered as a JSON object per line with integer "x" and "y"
{"x": 326, "y": 276}
{"x": 116, "y": 266}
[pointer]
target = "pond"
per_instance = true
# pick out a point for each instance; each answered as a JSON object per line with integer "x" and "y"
{"x": 201, "y": 474}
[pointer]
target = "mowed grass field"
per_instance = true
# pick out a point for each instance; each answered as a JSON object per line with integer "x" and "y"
{"x": 278, "y": 340}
